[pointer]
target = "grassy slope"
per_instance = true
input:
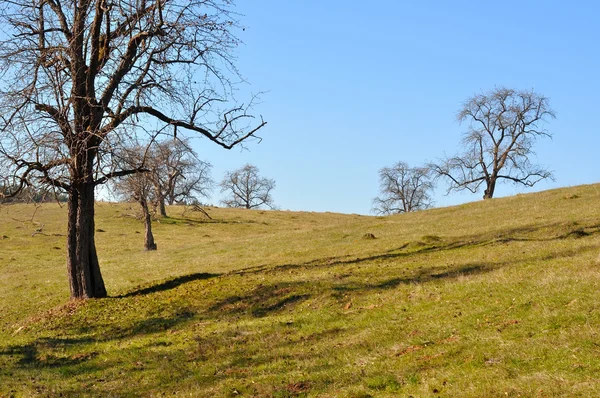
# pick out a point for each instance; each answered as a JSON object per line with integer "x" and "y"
{"x": 492, "y": 298}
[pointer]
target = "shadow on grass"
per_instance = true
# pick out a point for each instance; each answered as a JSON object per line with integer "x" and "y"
{"x": 72, "y": 354}
{"x": 419, "y": 276}
{"x": 430, "y": 274}
{"x": 149, "y": 326}
{"x": 45, "y": 352}
{"x": 169, "y": 284}
{"x": 568, "y": 231}
{"x": 263, "y": 300}
{"x": 31, "y": 354}
{"x": 422, "y": 248}
{"x": 553, "y": 231}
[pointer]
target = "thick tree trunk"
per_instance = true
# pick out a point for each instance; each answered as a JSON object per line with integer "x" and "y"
{"x": 149, "y": 243}
{"x": 83, "y": 268}
{"x": 490, "y": 188}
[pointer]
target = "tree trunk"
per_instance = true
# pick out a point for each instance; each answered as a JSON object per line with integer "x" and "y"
{"x": 162, "y": 210}
{"x": 149, "y": 243}
{"x": 83, "y": 268}
{"x": 160, "y": 201}
{"x": 489, "y": 190}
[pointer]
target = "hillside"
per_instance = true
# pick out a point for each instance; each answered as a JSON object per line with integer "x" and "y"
{"x": 494, "y": 298}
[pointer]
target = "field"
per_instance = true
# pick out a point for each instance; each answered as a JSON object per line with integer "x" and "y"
{"x": 489, "y": 299}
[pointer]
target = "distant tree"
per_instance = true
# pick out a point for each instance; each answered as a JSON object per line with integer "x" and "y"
{"x": 80, "y": 76}
{"x": 503, "y": 127}
{"x": 171, "y": 172}
{"x": 403, "y": 189}
{"x": 247, "y": 189}
{"x": 178, "y": 175}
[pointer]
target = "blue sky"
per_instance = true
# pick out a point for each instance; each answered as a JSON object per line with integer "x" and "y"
{"x": 355, "y": 86}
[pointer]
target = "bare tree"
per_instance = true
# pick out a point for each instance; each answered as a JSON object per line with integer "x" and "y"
{"x": 503, "y": 127}
{"x": 178, "y": 174}
{"x": 247, "y": 189}
{"x": 173, "y": 171}
{"x": 79, "y": 76}
{"x": 137, "y": 187}
{"x": 403, "y": 189}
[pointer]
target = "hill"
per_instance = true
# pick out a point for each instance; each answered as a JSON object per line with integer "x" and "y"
{"x": 494, "y": 298}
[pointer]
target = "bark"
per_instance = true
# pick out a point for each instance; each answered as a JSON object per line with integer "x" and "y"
{"x": 162, "y": 210}
{"x": 159, "y": 203}
{"x": 83, "y": 268}
{"x": 490, "y": 188}
{"x": 149, "y": 243}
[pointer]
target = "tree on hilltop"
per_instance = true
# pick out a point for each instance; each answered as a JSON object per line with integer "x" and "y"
{"x": 403, "y": 189}
{"x": 504, "y": 125}
{"x": 247, "y": 189}
{"x": 82, "y": 77}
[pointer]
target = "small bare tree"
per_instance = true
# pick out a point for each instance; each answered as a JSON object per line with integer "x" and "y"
{"x": 247, "y": 189}
{"x": 137, "y": 187}
{"x": 403, "y": 189}
{"x": 503, "y": 127}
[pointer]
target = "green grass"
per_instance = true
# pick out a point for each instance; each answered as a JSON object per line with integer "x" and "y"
{"x": 494, "y": 298}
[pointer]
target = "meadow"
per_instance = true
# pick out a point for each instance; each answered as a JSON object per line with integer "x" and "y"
{"x": 497, "y": 298}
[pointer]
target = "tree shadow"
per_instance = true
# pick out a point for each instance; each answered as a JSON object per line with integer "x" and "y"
{"x": 523, "y": 234}
{"x": 350, "y": 260}
{"x": 420, "y": 276}
{"x": 30, "y": 353}
{"x": 30, "y": 356}
{"x": 263, "y": 300}
{"x": 420, "y": 247}
{"x": 149, "y": 326}
{"x": 430, "y": 274}
{"x": 50, "y": 352}
{"x": 169, "y": 284}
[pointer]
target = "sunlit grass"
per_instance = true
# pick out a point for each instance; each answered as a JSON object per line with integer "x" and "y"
{"x": 495, "y": 298}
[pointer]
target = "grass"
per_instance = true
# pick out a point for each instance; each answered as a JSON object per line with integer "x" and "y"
{"x": 494, "y": 298}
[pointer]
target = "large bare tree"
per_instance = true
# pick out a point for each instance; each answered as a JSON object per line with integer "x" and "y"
{"x": 503, "y": 126}
{"x": 247, "y": 189}
{"x": 79, "y": 75}
{"x": 403, "y": 189}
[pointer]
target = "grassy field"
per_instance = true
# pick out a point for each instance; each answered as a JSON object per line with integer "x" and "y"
{"x": 488, "y": 299}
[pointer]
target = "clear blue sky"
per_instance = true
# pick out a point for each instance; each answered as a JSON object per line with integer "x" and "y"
{"x": 356, "y": 86}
